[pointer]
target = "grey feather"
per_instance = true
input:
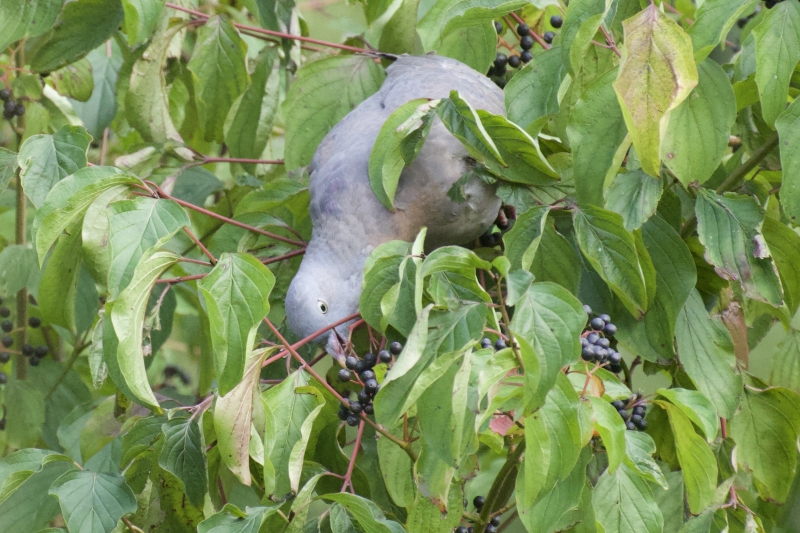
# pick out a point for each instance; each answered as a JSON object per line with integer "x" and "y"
{"x": 348, "y": 219}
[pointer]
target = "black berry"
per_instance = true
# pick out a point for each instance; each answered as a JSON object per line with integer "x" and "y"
{"x": 5, "y": 94}
{"x": 363, "y": 396}
{"x": 624, "y": 414}
{"x": 526, "y": 56}
{"x": 3, "y": 378}
{"x": 636, "y": 420}
{"x": 526, "y": 42}
{"x": 500, "y": 344}
{"x": 587, "y": 309}
{"x": 640, "y": 410}
{"x": 343, "y": 413}
{"x": 643, "y": 425}
{"x": 40, "y": 351}
{"x": 369, "y": 409}
{"x": 352, "y": 420}
{"x": 487, "y": 240}
{"x": 356, "y": 407}
{"x": 486, "y": 343}
{"x": 371, "y": 385}
{"x": 598, "y": 324}
{"x": 5, "y": 312}
{"x": 367, "y": 374}
{"x": 615, "y": 368}
{"x": 7, "y": 341}
{"x": 5, "y": 357}
{"x": 603, "y": 342}
{"x": 478, "y": 501}
{"x": 385, "y": 356}
{"x": 615, "y": 358}
{"x": 351, "y": 362}
{"x": 548, "y": 37}
{"x": 556, "y": 21}
{"x": 610, "y": 330}
{"x": 462, "y": 529}
{"x": 498, "y": 27}
{"x": 592, "y": 338}
{"x": 8, "y": 115}
{"x": 523, "y": 29}
{"x": 395, "y": 348}
{"x": 604, "y": 317}
{"x": 19, "y": 110}
{"x": 514, "y": 62}
{"x": 629, "y": 426}
{"x": 490, "y": 529}
{"x": 495, "y": 521}
{"x": 34, "y": 322}
{"x": 10, "y": 106}
{"x": 370, "y": 360}
{"x": 7, "y": 325}
{"x": 344, "y": 375}
{"x": 27, "y": 349}
{"x": 3, "y": 424}
{"x": 500, "y": 61}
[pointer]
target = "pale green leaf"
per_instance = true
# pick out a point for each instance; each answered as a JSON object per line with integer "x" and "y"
{"x": 696, "y": 407}
{"x": 366, "y": 513}
{"x": 141, "y": 17}
{"x": 611, "y": 428}
{"x": 75, "y": 80}
{"x": 657, "y": 73}
{"x": 533, "y": 92}
{"x": 788, "y": 126}
{"x": 786, "y": 362}
{"x": 634, "y": 195}
{"x": 639, "y": 450}
{"x": 522, "y": 240}
{"x": 461, "y": 119}
{"x": 713, "y": 20}
{"x": 446, "y": 15}
{"x": 237, "y": 298}
{"x": 29, "y": 18}
{"x": 92, "y": 502}
{"x": 101, "y": 108}
{"x": 784, "y": 245}
{"x": 623, "y": 503}
{"x": 232, "y": 520}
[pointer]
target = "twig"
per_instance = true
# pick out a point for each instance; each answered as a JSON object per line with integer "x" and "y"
{"x": 20, "y": 230}
{"x": 130, "y": 526}
{"x": 280, "y": 34}
{"x": 208, "y": 160}
{"x": 610, "y": 41}
{"x": 200, "y": 245}
{"x": 309, "y": 338}
{"x": 507, "y": 474}
{"x": 348, "y": 476}
{"x": 536, "y": 36}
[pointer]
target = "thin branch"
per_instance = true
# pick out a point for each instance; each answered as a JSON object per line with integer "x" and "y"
{"x": 348, "y": 476}
{"x": 200, "y": 245}
{"x": 309, "y": 338}
{"x": 536, "y": 37}
{"x": 610, "y": 41}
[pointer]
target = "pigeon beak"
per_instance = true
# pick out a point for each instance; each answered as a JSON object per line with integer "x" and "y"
{"x": 335, "y": 346}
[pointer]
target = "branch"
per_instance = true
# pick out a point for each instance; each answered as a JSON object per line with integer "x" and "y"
{"x": 536, "y": 36}
{"x": 348, "y": 476}
{"x": 272, "y": 33}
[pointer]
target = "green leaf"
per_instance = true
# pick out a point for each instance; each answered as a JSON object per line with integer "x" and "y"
{"x": 696, "y": 407}
{"x": 231, "y": 520}
{"x": 786, "y": 362}
{"x": 236, "y": 292}
{"x": 183, "y": 455}
{"x": 233, "y": 418}
{"x": 699, "y": 129}
{"x": 533, "y": 92}
{"x": 520, "y": 151}
{"x": 367, "y": 514}
{"x": 386, "y": 161}
{"x": 47, "y": 159}
{"x": 522, "y": 240}
{"x": 550, "y": 320}
{"x": 381, "y": 274}
{"x": 8, "y": 166}
{"x": 777, "y": 39}
{"x": 556, "y": 260}
{"x": 634, "y": 195}
{"x": 18, "y": 268}
{"x": 141, "y": 17}
{"x": 92, "y": 502}
{"x": 784, "y": 245}
{"x": 248, "y": 126}
{"x": 75, "y": 80}
{"x": 461, "y": 119}
{"x": 788, "y": 126}
{"x": 596, "y": 129}
{"x": 323, "y": 93}
{"x": 713, "y": 20}
{"x": 82, "y": 26}
{"x": 611, "y": 428}
{"x": 29, "y": 18}
{"x": 612, "y": 252}
{"x": 146, "y": 102}
{"x": 473, "y": 45}
{"x": 765, "y": 430}
{"x": 24, "y": 422}
{"x": 220, "y": 74}
{"x": 399, "y": 35}
{"x": 101, "y": 108}
{"x": 554, "y": 444}
{"x": 30, "y": 508}
{"x": 729, "y": 227}
{"x": 140, "y": 437}
{"x": 446, "y": 15}
{"x": 136, "y": 226}
{"x": 578, "y": 12}
{"x": 127, "y": 317}
{"x": 298, "y": 452}
{"x": 639, "y": 448}
{"x": 698, "y": 464}
{"x": 705, "y": 349}
{"x": 623, "y": 503}
{"x": 657, "y": 74}
{"x": 58, "y": 288}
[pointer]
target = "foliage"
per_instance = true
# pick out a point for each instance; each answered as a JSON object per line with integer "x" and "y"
{"x": 152, "y": 166}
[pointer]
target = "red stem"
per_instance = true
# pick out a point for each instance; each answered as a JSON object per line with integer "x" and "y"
{"x": 180, "y": 279}
{"x": 348, "y": 477}
{"x": 275, "y": 33}
{"x": 536, "y": 36}
{"x": 211, "y": 214}
{"x": 200, "y": 245}
{"x": 240, "y": 160}
{"x": 309, "y": 338}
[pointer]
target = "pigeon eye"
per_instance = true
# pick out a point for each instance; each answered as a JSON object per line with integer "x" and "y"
{"x": 322, "y": 306}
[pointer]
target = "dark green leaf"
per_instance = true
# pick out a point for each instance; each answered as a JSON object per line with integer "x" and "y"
{"x": 786, "y": 362}
{"x": 231, "y": 520}
{"x": 533, "y": 92}
{"x": 101, "y": 108}
{"x": 323, "y": 93}
{"x": 788, "y": 126}
{"x": 81, "y": 27}
{"x": 29, "y": 18}
{"x": 367, "y": 514}
{"x": 522, "y": 240}
{"x": 634, "y": 195}
{"x": 611, "y": 428}
{"x": 623, "y": 503}
{"x": 183, "y": 455}
{"x": 713, "y": 20}
{"x": 461, "y": 119}
{"x": 92, "y": 502}
{"x": 141, "y": 17}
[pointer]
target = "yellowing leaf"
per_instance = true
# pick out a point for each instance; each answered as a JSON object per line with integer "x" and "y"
{"x": 657, "y": 73}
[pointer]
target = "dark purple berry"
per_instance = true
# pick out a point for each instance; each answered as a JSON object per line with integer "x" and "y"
{"x": 500, "y": 61}
{"x": 343, "y": 413}
{"x": 7, "y": 325}
{"x": 352, "y": 420}
{"x": 618, "y": 404}
{"x": 360, "y": 367}
{"x": 556, "y": 21}
{"x": 592, "y": 338}
{"x": 500, "y": 344}
{"x": 363, "y": 396}
{"x": 5, "y": 94}
{"x": 369, "y": 409}
{"x": 371, "y": 385}
{"x": 498, "y": 27}
{"x": 624, "y": 414}
{"x": 40, "y": 351}
{"x": 514, "y": 62}
{"x": 526, "y": 43}
{"x": 395, "y": 348}
{"x": 603, "y": 342}
{"x": 462, "y": 529}
{"x": 8, "y": 340}
{"x": 10, "y": 106}
{"x": 526, "y": 56}
{"x": 367, "y": 374}
{"x": 636, "y": 420}
{"x": 523, "y": 29}
{"x": 34, "y": 322}
{"x": 356, "y": 407}
{"x": 486, "y": 343}
{"x": 351, "y": 362}
{"x": 5, "y": 312}
{"x": 478, "y": 501}
{"x": 490, "y": 529}
{"x": 19, "y": 110}
{"x": 616, "y": 369}
{"x": 495, "y": 521}
{"x": 5, "y": 357}
{"x": 604, "y": 317}
{"x": 610, "y": 330}
{"x": 598, "y": 324}
{"x": 587, "y": 309}
{"x": 629, "y": 426}
{"x": 640, "y": 410}
{"x": 3, "y": 378}
{"x": 385, "y": 356}
{"x": 643, "y": 425}
{"x": 548, "y": 37}
{"x": 370, "y": 360}
{"x": 27, "y": 350}
{"x": 8, "y": 115}
{"x": 615, "y": 358}
{"x": 35, "y": 361}
{"x": 344, "y": 375}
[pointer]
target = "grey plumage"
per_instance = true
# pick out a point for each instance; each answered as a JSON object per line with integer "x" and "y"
{"x": 348, "y": 219}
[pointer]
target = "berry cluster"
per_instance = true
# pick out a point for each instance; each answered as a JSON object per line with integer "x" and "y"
{"x": 632, "y": 413}
{"x": 501, "y": 63}
{"x": 598, "y": 343}
{"x": 11, "y": 108}
{"x": 35, "y": 353}
{"x": 363, "y": 368}
{"x": 504, "y": 222}
{"x": 493, "y": 524}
